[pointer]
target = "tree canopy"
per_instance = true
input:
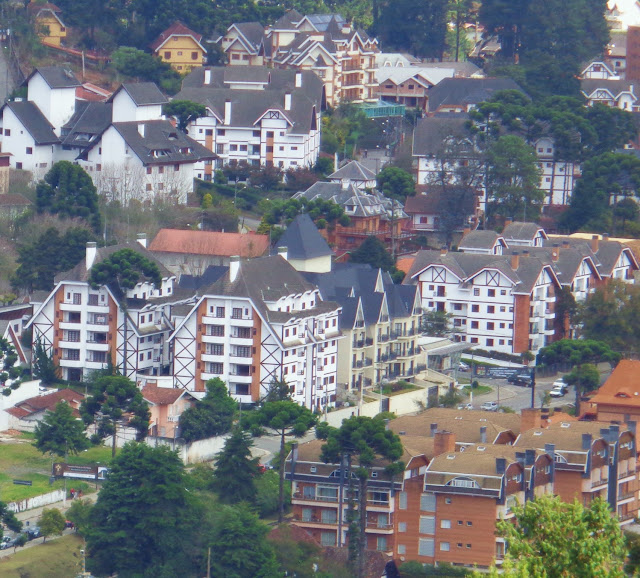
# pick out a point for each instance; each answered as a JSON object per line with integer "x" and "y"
{"x": 60, "y": 432}
{"x": 9, "y": 519}
{"x": 373, "y": 252}
{"x": 186, "y": 111}
{"x": 123, "y": 270}
{"x": 144, "y": 67}
{"x": 576, "y": 352}
{"x": 211, "y": 416}
{"x": 396, "y": 183}
{"x": 51, "y": 523}
{"x": 68, "y": 190}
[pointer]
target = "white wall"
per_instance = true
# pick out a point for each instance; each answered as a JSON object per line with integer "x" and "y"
{"x": 26, "y": 390}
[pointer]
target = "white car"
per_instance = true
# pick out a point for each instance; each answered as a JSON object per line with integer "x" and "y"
{"x": 489, "y": 406}
{"x": 462, "y": 366}
{"x": 558, "y": 390}
{"x": 466, "y": 406}
{"x": 558, "y": 383}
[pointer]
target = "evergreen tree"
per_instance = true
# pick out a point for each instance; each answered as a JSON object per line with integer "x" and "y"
{"x": 43, "y": 366}
{"x": 211, "y": 416}
{"x": 60, "y": 433}
{"x": 233, "y": 477}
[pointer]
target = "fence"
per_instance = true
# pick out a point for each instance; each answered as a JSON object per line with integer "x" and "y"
{"x": 36, "y": 501}
{"x": 198, "y": 451}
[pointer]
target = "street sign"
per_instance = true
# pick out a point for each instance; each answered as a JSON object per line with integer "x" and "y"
{"x": 22, "y": 482}
{"x": 502, "y": 372}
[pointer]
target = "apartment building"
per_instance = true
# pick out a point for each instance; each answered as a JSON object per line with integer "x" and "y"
{"x": 501, "y": 302}
{"x": 255, "y": 115}
{"x": 343, "y": 57}
{"x": 261, "y": 321}
{"x": 85, "y": 328}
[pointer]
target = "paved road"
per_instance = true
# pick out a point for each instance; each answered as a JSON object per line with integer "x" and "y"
{"x": 6, "y": 82}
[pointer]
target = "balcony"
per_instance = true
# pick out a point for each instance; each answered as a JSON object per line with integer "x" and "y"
{"x": 377, "y": 527}
{"x": 368, "y": 362}
{"x": 382, "y": 358}
{"x": 383, "y": 338}
{"x": 368, "y": 341}
{"x": 626, "y": 496}
{"x": 315, "y": 520}
{"x": 358, "y": 344}
{"x": 409, "y": 352}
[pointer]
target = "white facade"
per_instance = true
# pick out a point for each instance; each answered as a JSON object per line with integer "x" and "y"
{"x": 57, "y": 104}
{"x": 126, "y": 110}
{"x": 26, "y": 154}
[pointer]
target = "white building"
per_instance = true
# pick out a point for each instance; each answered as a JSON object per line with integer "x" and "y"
{"x": 256, "y": 115}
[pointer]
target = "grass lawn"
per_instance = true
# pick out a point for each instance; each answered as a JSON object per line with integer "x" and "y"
{"x": 386, "y": 390}
{"x": 480, "y": 390}
{"x": 24, "y": 462}
{"x": 58, "y": 558}
{"x": 470, "y": 362}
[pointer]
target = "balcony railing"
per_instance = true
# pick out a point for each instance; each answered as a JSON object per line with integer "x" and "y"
{"x": 368, "y": 341}
{"x": 626, "y": 496}
{"x": 314, "y": 520}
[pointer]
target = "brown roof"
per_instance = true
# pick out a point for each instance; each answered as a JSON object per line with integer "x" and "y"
{"x": 404, "y": 263}
{"x": 177, "y": 28}
{"x": 622, "y": 387}
{"x": 247, "y": 245}
{"x": 48, "y": 401}
{"x": 471, "y": 462}
{"x": 14, "y": 200}
{"x": 161, "y": 395}
{"x": 566, "y": 435}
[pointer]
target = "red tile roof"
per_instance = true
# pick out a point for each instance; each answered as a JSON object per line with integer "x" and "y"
{"x": 622, "y": 387}
{"x": 47, "y": 401}
{"x": 161, "y": 395}
{"x": 177, "y": 28}
{"x": 404, "y": 263}
{"x": 247, "y": 245}
{"x": 36, "y": 7}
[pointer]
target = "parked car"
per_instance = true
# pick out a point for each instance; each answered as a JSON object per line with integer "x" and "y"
{"x": 32, "y": 532}
{"x": 462, "y": 366}
{"x": 559, "y": 389}
{"x": 466, "y": 406}
{"x": 521, "y": 379}
{"x": 559, "y": 382}
{"x": 489, "y": 406}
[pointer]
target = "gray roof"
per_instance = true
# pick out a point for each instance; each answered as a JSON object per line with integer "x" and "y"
{"x": 253, "y": 32}
{"x": 615, "y": 87}
{"x": 462, "y": 68}
{"x": 57, "y": 76}
{"x": 519, "y": 230}
{"x": 322, "y": 21}
{"x": 288, "y": 20}
{"x": 161, "y": 135}
{"x": 466, "y": 265}
{"x": 34, "y": 121}
{"x": 89, "y": 120}
{"x": 479, "y": 240}
{"x": 605, "y": 257}
{"x": 247, "y": 106}
{"x": 211, "y": 274}
{"x": 142, "y": 93}
{"x": 465, "y": 91}
{"x": 431, "y": 132}
{"x": 303, "y": 241}
{"x": 353, "y": 171}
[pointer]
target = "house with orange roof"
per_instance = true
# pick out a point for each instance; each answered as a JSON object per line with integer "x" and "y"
{"x": 25, "y": 415}
{"x": 192, "y": 252}
{"x": 166, "y": 405}
{"x": 181, "y": 47}
{"x": 618, "y": 399}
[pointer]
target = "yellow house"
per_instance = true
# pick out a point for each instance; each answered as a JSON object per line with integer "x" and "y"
{"x": 49, "y": 26}
{"x": 180, "y": 47}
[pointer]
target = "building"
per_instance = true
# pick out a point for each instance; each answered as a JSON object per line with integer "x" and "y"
{"x": 261, "y": 321}
{"x": 307, "y": 250}
{"x": 632, "y": 65}
{"x": 501, "y": 302}
{"x": 27, "y": 414}
{"x": 611, "y": 92}
{"x": 244, "y": 44}
{"x": 256, "y": 115}
{"x": 48, "y": 24}
{"x": 166, "y": 405}
{"x": 482, "y": 243}
{"x": 409, "y": 86}
{"x": 460, "y": 95}
{"x": 181, "y": 47}
{"x": 521, "y": 234}
{"x": 355, "y": 173}
{"x": 618, "y": 399}
{"x": 600, "y": 70}
{"x": 84, "y": 329}
{"x": 192, "y": 252}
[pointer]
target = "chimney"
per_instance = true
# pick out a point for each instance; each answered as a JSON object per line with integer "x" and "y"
{"x": 525, "y": 253}
{"x": 444, "y": 442}
{"x": 207, "y": 76}
{"x": 515, "y": 260}
{"x": 443, "y": 250}
{"x": 595, "y": 240}
{"x": 631, "y": 426}
{"x": 90, "y": 254}
{"x": 530, "y": 418}
{"x": 501, "y": 465}
{"x": 344, "y": 184}
{"x": 605, "y": 236}
{"x": 142, "y": 239}
{"x": 566, "y": 244}
{"x": 483, "y": 434}
{"x": 234, "y": 267}
{"x": 298, "y": 79}
{"x": 287, "y": 101}
{"x": 283, "y": 252}
{"x": 555, "y": 253}
{"x": 586, "y": 441}
{"x": 141, "y": 129}
{"x": 508, "y": 221}
{"x": 550, "y": 449}
{"x": 227, "y": 112}
{"x": 466, "y": 231}
{"x": 529, "y": 457}
{"x": 433, "y": 429}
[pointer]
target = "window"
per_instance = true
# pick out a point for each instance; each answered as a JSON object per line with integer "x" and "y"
{"x": 219, "y": 311}
{"x": 428, "y": 502}
{"x": 72, "y": 336}
{"x": 221, "y": 132}
{"x": 475, "y": 309}
{"x": 236, "y": 313}
{"x": 216, "y": 349}
{"x": 459, "y": 522}
{"x": 402, "y": 549}
{"x": 476, "y": 292}
{"x": 381, "y": 544}
{"x": 426, "y": 547}
{"x": 446, "y": 524}
{"x": 71, "y": 354}
{"x": 233, "y": 148}
{"x": 402, "y": 500}
{"x": 491, "y": 292}
{"x": 7, "y": 132}
{"x": 215, "y": 368}
{"x": 474, "y": 325}
{"x": 328, "y": 538}
{"x": 216, "y": 330}
{"x": 256, "y": 133}
{"x": 194, "y": 56}
{"x": 167, "y": 54}
{"x": 402, "y": 526}
{"x": 77, "y": 299}
{"x": 176, "y": 168}
{"x": 490, "y": 326}
{"x": 243, "y": 148}
{"x": 329, "y": 516}
{"x": 457, "y": 306}
{"x": 29, "y": 150}
{"x": 491, "y": 309}
{"x": 427, "y": 525}
{"x": 148, "y": 187}
{"x": 469, "y": 523}
{"x": 444, "y": 546}
{"x": 19, "y": 166}
{"x": 503, "y": 291}
{"x": 447, "y": 500}
{"x": 490, "y": 342}
{"x": 93, "y": 299}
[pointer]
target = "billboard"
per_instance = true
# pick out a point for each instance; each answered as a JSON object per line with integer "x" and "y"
{"x": 95, "y": 472}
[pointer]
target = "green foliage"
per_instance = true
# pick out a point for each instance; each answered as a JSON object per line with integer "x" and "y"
{"x": 60, "y": 433}
{"x": 436, "y": 323}
{"x": 413, "y": 569}
{"x": 632, "y": 543}
{"x": 585, "y": 376}
{"x": 233, "y": 477}
{"x": 577, "y": 352}
{"x": 123, "y": 270}
{"x": 552, "y": 538}
{"x": 282, "y": 212}
{"x": 51, "y": 253}
{"x": 266, "y": 496}
{"x": 81, "y": 514}
{"x": 67, "y": 190}
{"x": 115, "y": 400}
{"x": 373, "y": 252}
{"x": 51, "y": 522}
{"x": 211, "y": 416}
{"x": 186, "y": 111}
{"x": 238, "y": 545}
{"x": 344, "y": 127}
{"x": 396, "y": 183}
{"x": 9, "y": 519}
{"x": 43, "y": 366}
{"x": 142, "y": 66}
{"x": 143, "y": 523}
{"x": 450, "y": 399}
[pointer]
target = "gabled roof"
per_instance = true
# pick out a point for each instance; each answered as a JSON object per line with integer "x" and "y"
{"x": 46, "y": 402}
{"x": 162, "y": 395}
{"x": 431, "y": 132}
{"x": 521, "y": 231}
{"x": 353, "y": 171}
{"x": 622, "y": 387}
{"x": 194, "y": 282}
{"x": 14, "y": 200}
{"x": 212, "y": 243}
{"x": 252, "y": 32}
{"x": 176, "y": 29}
{"x": 89, "y": 120}
{"x": 467, "y": 91}
{"x": 480, "y": 240}
{"x": 589, "y": 85}
{"x": 303, "y": 240}
{"x": 35, "y": 123}
{"x": 142, "y": 93}
{"x": 429, "y": 203}
{"x": 288, "y": 21}
{"x": 56, "y": 76}
{"x": 605, "y": 257}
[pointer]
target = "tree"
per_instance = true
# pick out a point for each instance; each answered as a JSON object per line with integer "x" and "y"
{"x": 60, "y": 433}
{"x": 586, "y": 376}
{"x": 396, "y": 183}
{"x": 504, "y": 18}
{"x": 9, "y": 519}
{"x": 211, "y": 416}
{"x": 81, "y": 514}
{"x": 461, "y": 11}
{"x": 115, "y": 401}
{"x": 267, "y": 491}
{"x": 186, "y": 111}
{"x": 120, "y": 272}
{"x": 144, "y": 521}
{"x": 142, "y": 66}
{"x": 436, "y": 323}
{"x": 43, "y": 366}
{"x": 233, "y": 477}
{"x": 373, "y": 252}
{"x": 553, "y": 538}
{"x": 283, "y": 419}
{"x": 68, "y": 190}
{"x": 238, "y": 545}
{"x": 513, "y": 179}
{"x": 362, "y": 439}
{"x": 52, "y": 523}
